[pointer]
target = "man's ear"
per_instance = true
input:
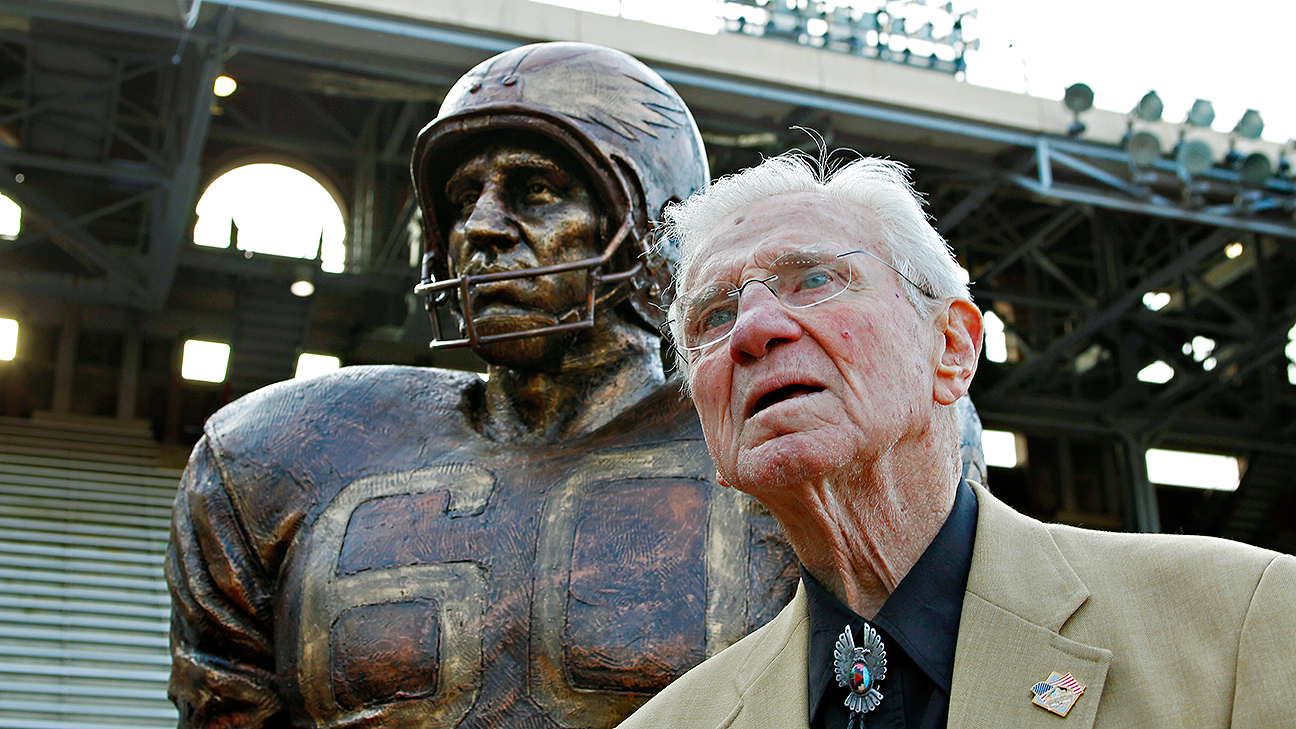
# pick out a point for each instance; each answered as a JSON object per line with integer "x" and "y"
{"x": 958, "y": 363}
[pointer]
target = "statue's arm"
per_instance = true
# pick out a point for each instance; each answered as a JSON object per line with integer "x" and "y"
{"x": 223, "y": 668}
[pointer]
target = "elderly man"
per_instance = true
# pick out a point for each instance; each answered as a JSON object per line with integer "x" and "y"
{"x": 825, "y": 337}
{"x": 411, "y": 547}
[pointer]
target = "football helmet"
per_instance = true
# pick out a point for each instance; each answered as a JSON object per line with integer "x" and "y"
{"x": 631, "y": 132}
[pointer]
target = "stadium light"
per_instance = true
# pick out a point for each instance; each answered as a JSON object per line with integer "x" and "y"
{"x": 1193, "y": 470}
{"x": 1149, "y": 108}
{"x": 996, "y": 338}
{"x": 1078, "y": 98}
{"x": 312, "y": 365}
{"x": 1157, "y": 373}
{"x": 1250, "y": 126}
{"x": 1156, "y": 300}
{"x": 1290, "y": 351}
{"x": 1002, "y": 448}
{"x": 8, "y": 339}
{"x": 204, "y": 361}
{"x": 1255, "y": 168}
{"x": 1202, "y": 114}
{"x": 1194, "y": 156}
{"x": 1143, "y": 148}
{"x": 224, "y": 86}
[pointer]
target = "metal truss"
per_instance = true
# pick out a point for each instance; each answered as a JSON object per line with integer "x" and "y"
{"x": 106, "y": 143}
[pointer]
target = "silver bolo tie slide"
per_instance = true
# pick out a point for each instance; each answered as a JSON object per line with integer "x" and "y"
{"x": 860, "y": 669}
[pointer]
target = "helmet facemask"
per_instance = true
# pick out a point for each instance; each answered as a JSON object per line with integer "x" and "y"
{"x": 610, "y": 273}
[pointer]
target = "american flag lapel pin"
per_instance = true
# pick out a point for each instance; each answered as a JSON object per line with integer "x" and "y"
{"x": 1058, "y": 694}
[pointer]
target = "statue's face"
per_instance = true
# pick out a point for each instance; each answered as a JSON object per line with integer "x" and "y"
{"x": 519, "y": 207}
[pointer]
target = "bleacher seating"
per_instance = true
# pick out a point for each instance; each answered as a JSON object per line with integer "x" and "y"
{"x": 84, "y": 508}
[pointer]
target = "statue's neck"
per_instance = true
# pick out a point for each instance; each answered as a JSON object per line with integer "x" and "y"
{"x": 603, "y": 373}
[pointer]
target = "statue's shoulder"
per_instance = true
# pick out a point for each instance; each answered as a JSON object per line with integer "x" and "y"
{"x": 352, "y": 413}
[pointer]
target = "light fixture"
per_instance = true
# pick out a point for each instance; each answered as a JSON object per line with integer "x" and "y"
{"x": 1149, "y": 108}
{"x": 1090, "y": 358}
{"x": 1202, "y": 114}
{"x": 1194, "y": 156}
{"x": 8, "y": 339}
{"x": 996, "y": 338}
{"x": 1255, "y": 168}
{"x": 1290, "y": 351}
{"x": 1078, "y": 98}
{"x": 1143, "y": 148}
{"x": 1002, "y": 448}
{"x": 1200, "y": 348}
{"x": 1156, "y": 300}
{"x": 783, "y": 22}
{"x": 1157, "y": 373}
{"x": 1250, "y": 126}
{"x": 204, "y": 361}
{"x": 10, "y": 218}
{"x": 911, "y": 32}
{"x": 1233, "y": 250}
{"x": 224, "y": 86}
{"x": 312, "y": 365}
{"x": 302, "y": 288}
{"x": 1194, "y": 470}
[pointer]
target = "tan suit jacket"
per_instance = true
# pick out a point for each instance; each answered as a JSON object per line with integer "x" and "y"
{"x": 1163, "y": 631}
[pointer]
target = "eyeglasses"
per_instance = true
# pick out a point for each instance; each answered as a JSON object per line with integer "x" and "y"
{"x": 798, "y": 279}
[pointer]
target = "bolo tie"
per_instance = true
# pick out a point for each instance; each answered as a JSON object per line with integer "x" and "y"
{"x": 860, "y": 669}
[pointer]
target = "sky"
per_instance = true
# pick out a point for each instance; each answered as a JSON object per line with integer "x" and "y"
{"x": 1235, "y": 54}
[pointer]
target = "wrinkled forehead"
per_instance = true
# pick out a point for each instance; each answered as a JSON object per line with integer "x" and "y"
{"x": 761, "y": 234}
{"x": 515, "y": 152}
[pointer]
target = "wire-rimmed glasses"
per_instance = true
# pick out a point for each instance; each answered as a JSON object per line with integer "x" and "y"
{"x": 798, "y": 279}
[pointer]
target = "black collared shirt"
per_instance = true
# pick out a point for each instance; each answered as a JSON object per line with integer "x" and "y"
{"x": 918, "y": 625}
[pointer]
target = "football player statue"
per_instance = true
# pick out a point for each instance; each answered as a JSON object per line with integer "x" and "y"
{"x": 410, "y": 547}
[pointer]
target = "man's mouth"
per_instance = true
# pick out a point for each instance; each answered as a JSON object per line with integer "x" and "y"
{"x": 787, "y": 392}
{"x": 503, "y": 296}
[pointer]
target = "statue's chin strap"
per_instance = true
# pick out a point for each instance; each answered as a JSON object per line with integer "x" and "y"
{"x": 604, "y": 290}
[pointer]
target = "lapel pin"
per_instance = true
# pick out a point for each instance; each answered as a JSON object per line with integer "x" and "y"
{"x": 1058, "y": 694}
{"x": 860, "y": 669}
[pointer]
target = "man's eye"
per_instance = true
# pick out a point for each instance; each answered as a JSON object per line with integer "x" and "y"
{"x": 814, "y": 279}
{"x": 538, "y": 190}
{"x": 713, "y": 321}
{"x": 718, "y": 317}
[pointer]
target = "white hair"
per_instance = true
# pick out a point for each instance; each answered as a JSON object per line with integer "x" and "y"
{"x": 904, "y": 235}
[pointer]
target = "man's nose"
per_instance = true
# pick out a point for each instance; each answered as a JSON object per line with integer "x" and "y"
{"x": 490, "y": 224}
{"x": 763, "y": 322}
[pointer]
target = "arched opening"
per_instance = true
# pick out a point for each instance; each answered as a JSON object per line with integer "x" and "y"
{"x": 273, "y": 209}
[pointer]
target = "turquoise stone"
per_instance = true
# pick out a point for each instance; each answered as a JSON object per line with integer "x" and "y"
{"x": 859, "y": 678}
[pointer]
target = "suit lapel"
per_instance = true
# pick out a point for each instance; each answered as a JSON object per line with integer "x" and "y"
{"x": 1021, "y": 591}
{"x": 777, "y": 696}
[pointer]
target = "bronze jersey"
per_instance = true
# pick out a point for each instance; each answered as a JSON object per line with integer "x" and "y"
{"x": 350, "y": 551}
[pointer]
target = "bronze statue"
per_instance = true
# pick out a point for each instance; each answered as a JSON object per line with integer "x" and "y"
{"x": 410, "y": 547}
